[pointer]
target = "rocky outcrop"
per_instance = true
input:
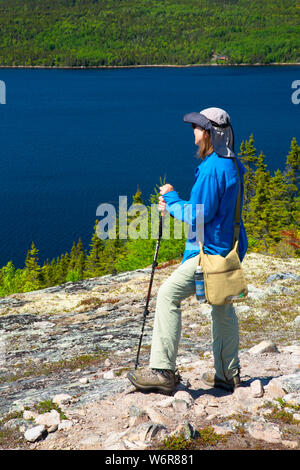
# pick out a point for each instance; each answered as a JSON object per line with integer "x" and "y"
{"x": 73, "y": 344}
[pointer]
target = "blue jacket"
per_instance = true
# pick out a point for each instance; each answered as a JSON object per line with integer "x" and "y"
{"x": 216, "y": 188}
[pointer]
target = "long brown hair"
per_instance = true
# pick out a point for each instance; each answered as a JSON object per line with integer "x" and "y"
{"x": 205, "y": 147}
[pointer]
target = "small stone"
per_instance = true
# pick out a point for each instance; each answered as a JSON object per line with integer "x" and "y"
{"x": 156, "y": 416}
{"x": 135, "y": 411}
{"x": 256, "y": 389}
{"x": 90, "y": 439}
{"x": 224, "y": 428}
{"x": 180, "y": 406}
{"x": 109, "y": 374}
{"x": 290, "y": 444}
{"x": 107, "y": 363}
{"x": 84, "y": 380}
{"x": 140, "y": 432}
{"x": 265, "y": 432}
{"x": 200, "y": 410}
{"x": 292, "y": 399}
{"x": 185, "y": 396}
{"x": 166, "y": 403}
{"x": 263, "y": 347}
{"x": 186, "y": 429}
{"x": 274, "y": 389}
{"x": 62, "y": 399}
{"x": 136, "y": 420}
{"x": 65, "y": 425}
{"x": 35, "y": 433}
{"x": 27, "y": 414}
{"x": 50, "y": 420}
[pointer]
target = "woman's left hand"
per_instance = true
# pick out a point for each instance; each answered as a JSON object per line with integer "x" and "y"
{"x": 166, "y": 188}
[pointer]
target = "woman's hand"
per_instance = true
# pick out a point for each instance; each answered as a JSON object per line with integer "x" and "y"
{"x": 162, "y": 205}
{"x": 165, "y": 189}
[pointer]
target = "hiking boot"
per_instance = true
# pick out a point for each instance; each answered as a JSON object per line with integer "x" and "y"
{"x": 210, "y": 378}
{"x": 161, "y": 380}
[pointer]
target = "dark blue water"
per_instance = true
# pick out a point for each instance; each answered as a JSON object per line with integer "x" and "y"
{"x": 73, "y": 139}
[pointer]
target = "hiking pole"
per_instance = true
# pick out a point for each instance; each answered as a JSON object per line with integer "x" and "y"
{"x": 146, "y": 311}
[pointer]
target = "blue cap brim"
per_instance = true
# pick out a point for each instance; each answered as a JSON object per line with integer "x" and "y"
{"x": 198, "y": 119}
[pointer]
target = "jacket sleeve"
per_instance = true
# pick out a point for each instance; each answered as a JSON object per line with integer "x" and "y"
{"x": 204, "y": 200}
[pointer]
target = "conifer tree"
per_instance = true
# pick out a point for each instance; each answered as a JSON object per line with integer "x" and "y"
{"x": 292, "y": 180}
{"x": 47, "y": 274}
{"x": 94, "y": 263}
{"x": 137, "y": 198}
{"x": 293, "y": 164}
{"x": 73, "y": 257}
{"x": 81, "y": 255}
{"x": 258, "y": 218}
{"x": 248, "y": 156}
{"x": 65, "y": 261}
{"x": 279, "y": 207}
{"x": 33, "y": 269}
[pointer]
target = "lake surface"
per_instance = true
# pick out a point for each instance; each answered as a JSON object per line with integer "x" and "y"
{"x": 74, "y": 139}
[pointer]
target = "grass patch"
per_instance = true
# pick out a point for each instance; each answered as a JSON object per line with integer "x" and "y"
{"x": 48, "y": 405}
{"x": 205, "y": 437}
{"x": 279, "y": 412}
{"x": 11, "y": 437}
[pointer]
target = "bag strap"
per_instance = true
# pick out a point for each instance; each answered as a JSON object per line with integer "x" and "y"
{"x": 237, "y": 217}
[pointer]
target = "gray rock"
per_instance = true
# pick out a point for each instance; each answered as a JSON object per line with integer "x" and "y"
{"x": 291, "y": 383}
{"x": 282, "y": 275}
{"x": 35, "y": 433}
{"x": 135, "y": 411}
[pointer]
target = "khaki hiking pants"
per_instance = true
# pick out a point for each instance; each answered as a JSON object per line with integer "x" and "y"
{"x": 167, "y": 324}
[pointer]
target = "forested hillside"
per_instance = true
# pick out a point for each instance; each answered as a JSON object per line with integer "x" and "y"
{"x": 145, "y": 32}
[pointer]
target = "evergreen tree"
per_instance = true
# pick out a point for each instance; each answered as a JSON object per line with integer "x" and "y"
{"x": 47, "y": 274}
{"x": 293, "y": 164}
{"x": 80, "y": 260}
{"x": 94, "y": 262}
{"x": 73, "y": 257}
{"x": 65, "y": 261}
{"x": 258, "y": 217}
{"x": 137, "y": 198}
{"x": 292, "y": 180}
{"x": 33, "y": 269}
{"x": 248, "y": 156}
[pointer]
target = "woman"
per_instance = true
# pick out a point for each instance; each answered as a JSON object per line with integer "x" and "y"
{"x": 216, "y": 188}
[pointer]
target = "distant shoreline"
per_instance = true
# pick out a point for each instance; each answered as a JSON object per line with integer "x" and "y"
{"x": 142, "y": 66}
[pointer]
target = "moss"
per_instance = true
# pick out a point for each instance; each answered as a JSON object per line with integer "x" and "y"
{"x": 48, "y": 405}
{"x": 205, "y": 437}
{"x": 208, "y": 437}
{"x": 11, "y": 437}
{"x": 177, "y": 442}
